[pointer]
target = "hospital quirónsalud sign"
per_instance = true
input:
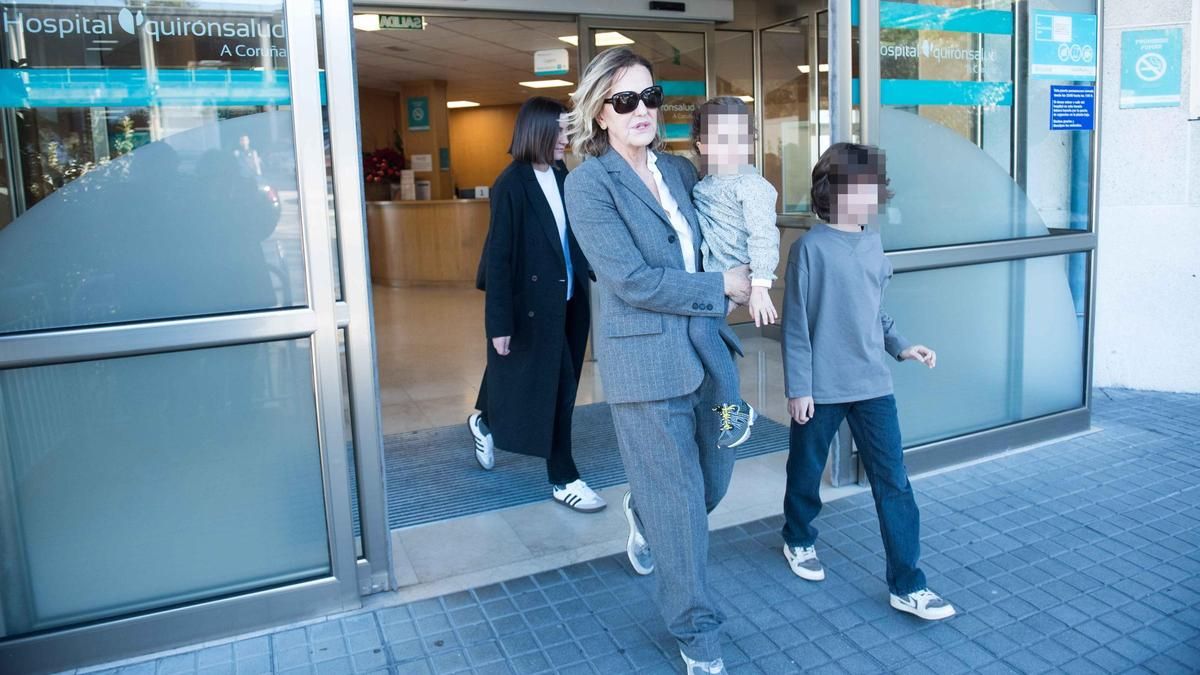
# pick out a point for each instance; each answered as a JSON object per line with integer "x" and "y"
{"x": 63, "y": 43}
{"x": 1063, "y": 46}
{"x": 1151, "y": 68}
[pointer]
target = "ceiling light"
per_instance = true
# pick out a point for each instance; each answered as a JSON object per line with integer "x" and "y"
{"x": 747, "y": 99}
{"x": 823, "y": 68}
{"x": 612, "y": 39}
{"x": 366, "y": 22}
{"x": 804, "y": 69}
{"x": 461, "y": 104}
{"x": 607, "y": 39}
{"x": 543, "y": 84}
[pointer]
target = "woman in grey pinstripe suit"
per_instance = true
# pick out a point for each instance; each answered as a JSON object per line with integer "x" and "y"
{"x": 632, "y": 214}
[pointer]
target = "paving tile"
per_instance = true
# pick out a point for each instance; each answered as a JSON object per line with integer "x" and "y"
{"x": 1075, "y": 557}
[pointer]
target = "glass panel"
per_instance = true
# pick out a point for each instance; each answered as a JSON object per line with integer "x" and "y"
{"x": 824, "y": 112}
{"x": 946, "y": 70}
{"x": 1010, "y": 344}
{"x": 733, "y": 60}
{"x": 137, "y": 483}
{"x": 678, "y": 60}
{"x": 787, "y": 137}
{"x": 157, "y": 162}
{"x": 330, "y": 211}
{"x": 348, "y": 429}
{"x": 7, "y": 194}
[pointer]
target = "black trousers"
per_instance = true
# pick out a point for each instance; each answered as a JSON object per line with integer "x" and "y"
{"x": 560, "y": 465}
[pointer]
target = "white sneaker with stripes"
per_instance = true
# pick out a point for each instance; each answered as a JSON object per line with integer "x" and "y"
{"x": 578, "y": 496}
{"x": 485, "y": 448}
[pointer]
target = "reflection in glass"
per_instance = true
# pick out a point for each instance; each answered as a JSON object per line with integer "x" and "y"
{"x": 1010, "y": 346}
{"x": 348, "y": 430}
{"x": 144, "y": 482}
{"x": 947, "y": 126}
{"x": 157, "y": 164}
{"x": 787, "y": 133}
{"x": 734, "y": 65}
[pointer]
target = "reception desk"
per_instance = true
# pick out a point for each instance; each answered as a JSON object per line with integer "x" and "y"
{"x": 426, "y": 242}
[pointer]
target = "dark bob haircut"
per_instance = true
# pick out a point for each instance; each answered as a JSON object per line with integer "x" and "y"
{"x": 536, "y": 130}
{"x": 841, "y": 165}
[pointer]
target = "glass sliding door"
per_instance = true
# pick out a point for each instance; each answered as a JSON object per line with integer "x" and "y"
{"x": 990, "y": 230}
{"x": 173, "y": 449}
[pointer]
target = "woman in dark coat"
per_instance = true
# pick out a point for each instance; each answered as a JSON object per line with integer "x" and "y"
{"x": 536, "y": 310}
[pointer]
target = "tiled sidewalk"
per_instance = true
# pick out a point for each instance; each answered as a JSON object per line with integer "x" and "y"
{"x": 1078, "y": 557}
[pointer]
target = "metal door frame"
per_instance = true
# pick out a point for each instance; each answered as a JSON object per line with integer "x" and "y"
{"x": 319, "y": 322}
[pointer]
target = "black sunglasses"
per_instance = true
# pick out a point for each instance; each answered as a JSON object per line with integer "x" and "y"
{"x": 627, "y": 101}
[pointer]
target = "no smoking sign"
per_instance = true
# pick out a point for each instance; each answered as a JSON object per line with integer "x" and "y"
{"x": 1151, "y": 68}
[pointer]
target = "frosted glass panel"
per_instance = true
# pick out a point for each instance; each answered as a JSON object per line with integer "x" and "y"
{"x": 136, "y": 483}
{"x": 157, "y": 163}
{"x": 1009, "y": 344}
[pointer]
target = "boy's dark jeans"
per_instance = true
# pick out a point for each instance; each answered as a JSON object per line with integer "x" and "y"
{"x": 876, "y": 429}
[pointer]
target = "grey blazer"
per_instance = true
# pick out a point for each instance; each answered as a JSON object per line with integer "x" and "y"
{"x": 644, "y": 294}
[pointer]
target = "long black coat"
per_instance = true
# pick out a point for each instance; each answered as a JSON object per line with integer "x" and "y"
{"x": 524, "y": 276}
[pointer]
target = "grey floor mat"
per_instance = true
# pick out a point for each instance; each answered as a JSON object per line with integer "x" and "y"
{"x": 432, "y": 474}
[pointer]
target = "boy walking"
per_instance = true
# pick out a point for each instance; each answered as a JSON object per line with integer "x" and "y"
{"x": 835, "y": 334}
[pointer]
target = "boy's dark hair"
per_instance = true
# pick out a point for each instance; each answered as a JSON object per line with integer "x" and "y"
{"x": 841, "y": 165}
{"x": 721, "y": 105}
{"x": 536, "y": 130}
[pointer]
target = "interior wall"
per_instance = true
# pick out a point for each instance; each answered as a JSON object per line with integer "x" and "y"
{"x": 479, "y": 139}
{"x": 383, "y": 113}
{"x": 377, "y": 117}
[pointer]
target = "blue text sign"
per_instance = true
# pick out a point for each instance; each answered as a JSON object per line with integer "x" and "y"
{"x": 1072, "y": 107}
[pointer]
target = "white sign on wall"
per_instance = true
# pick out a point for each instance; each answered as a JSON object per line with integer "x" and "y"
{"x": 551, "y": 62}
{"x": 422, "y": 162}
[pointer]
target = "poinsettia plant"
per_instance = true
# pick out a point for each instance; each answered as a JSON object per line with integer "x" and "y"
{"x": 383, "y": 166}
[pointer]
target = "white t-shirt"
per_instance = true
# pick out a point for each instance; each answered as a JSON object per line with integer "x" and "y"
{"x": 550, "y": 187}
{"x": 683, "y": 231}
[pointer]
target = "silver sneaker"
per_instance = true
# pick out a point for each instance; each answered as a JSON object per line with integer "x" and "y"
{"x": 636, "y": 547}
{"x": 485, "y": 447}
{"x": 804, "y": 562}
{"x": 693, "y": 667}
{"x": 925, "y": 604}
{"x": 735, "y": 420}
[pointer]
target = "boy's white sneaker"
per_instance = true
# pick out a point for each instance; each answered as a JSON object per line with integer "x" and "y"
{"x": 925, "y": 604}
{"x": 804, "y": 563}
{"x": 578, "y": 496}
{"x": 485, "y": 448}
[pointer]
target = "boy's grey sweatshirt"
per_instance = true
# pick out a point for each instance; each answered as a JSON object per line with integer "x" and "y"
{"x": 835, "y": 331}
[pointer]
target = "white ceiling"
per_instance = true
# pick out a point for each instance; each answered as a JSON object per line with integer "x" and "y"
{"x": 482, "y": 60}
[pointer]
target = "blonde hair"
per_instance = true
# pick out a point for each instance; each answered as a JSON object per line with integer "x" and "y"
{"x": 587, "y": 138}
